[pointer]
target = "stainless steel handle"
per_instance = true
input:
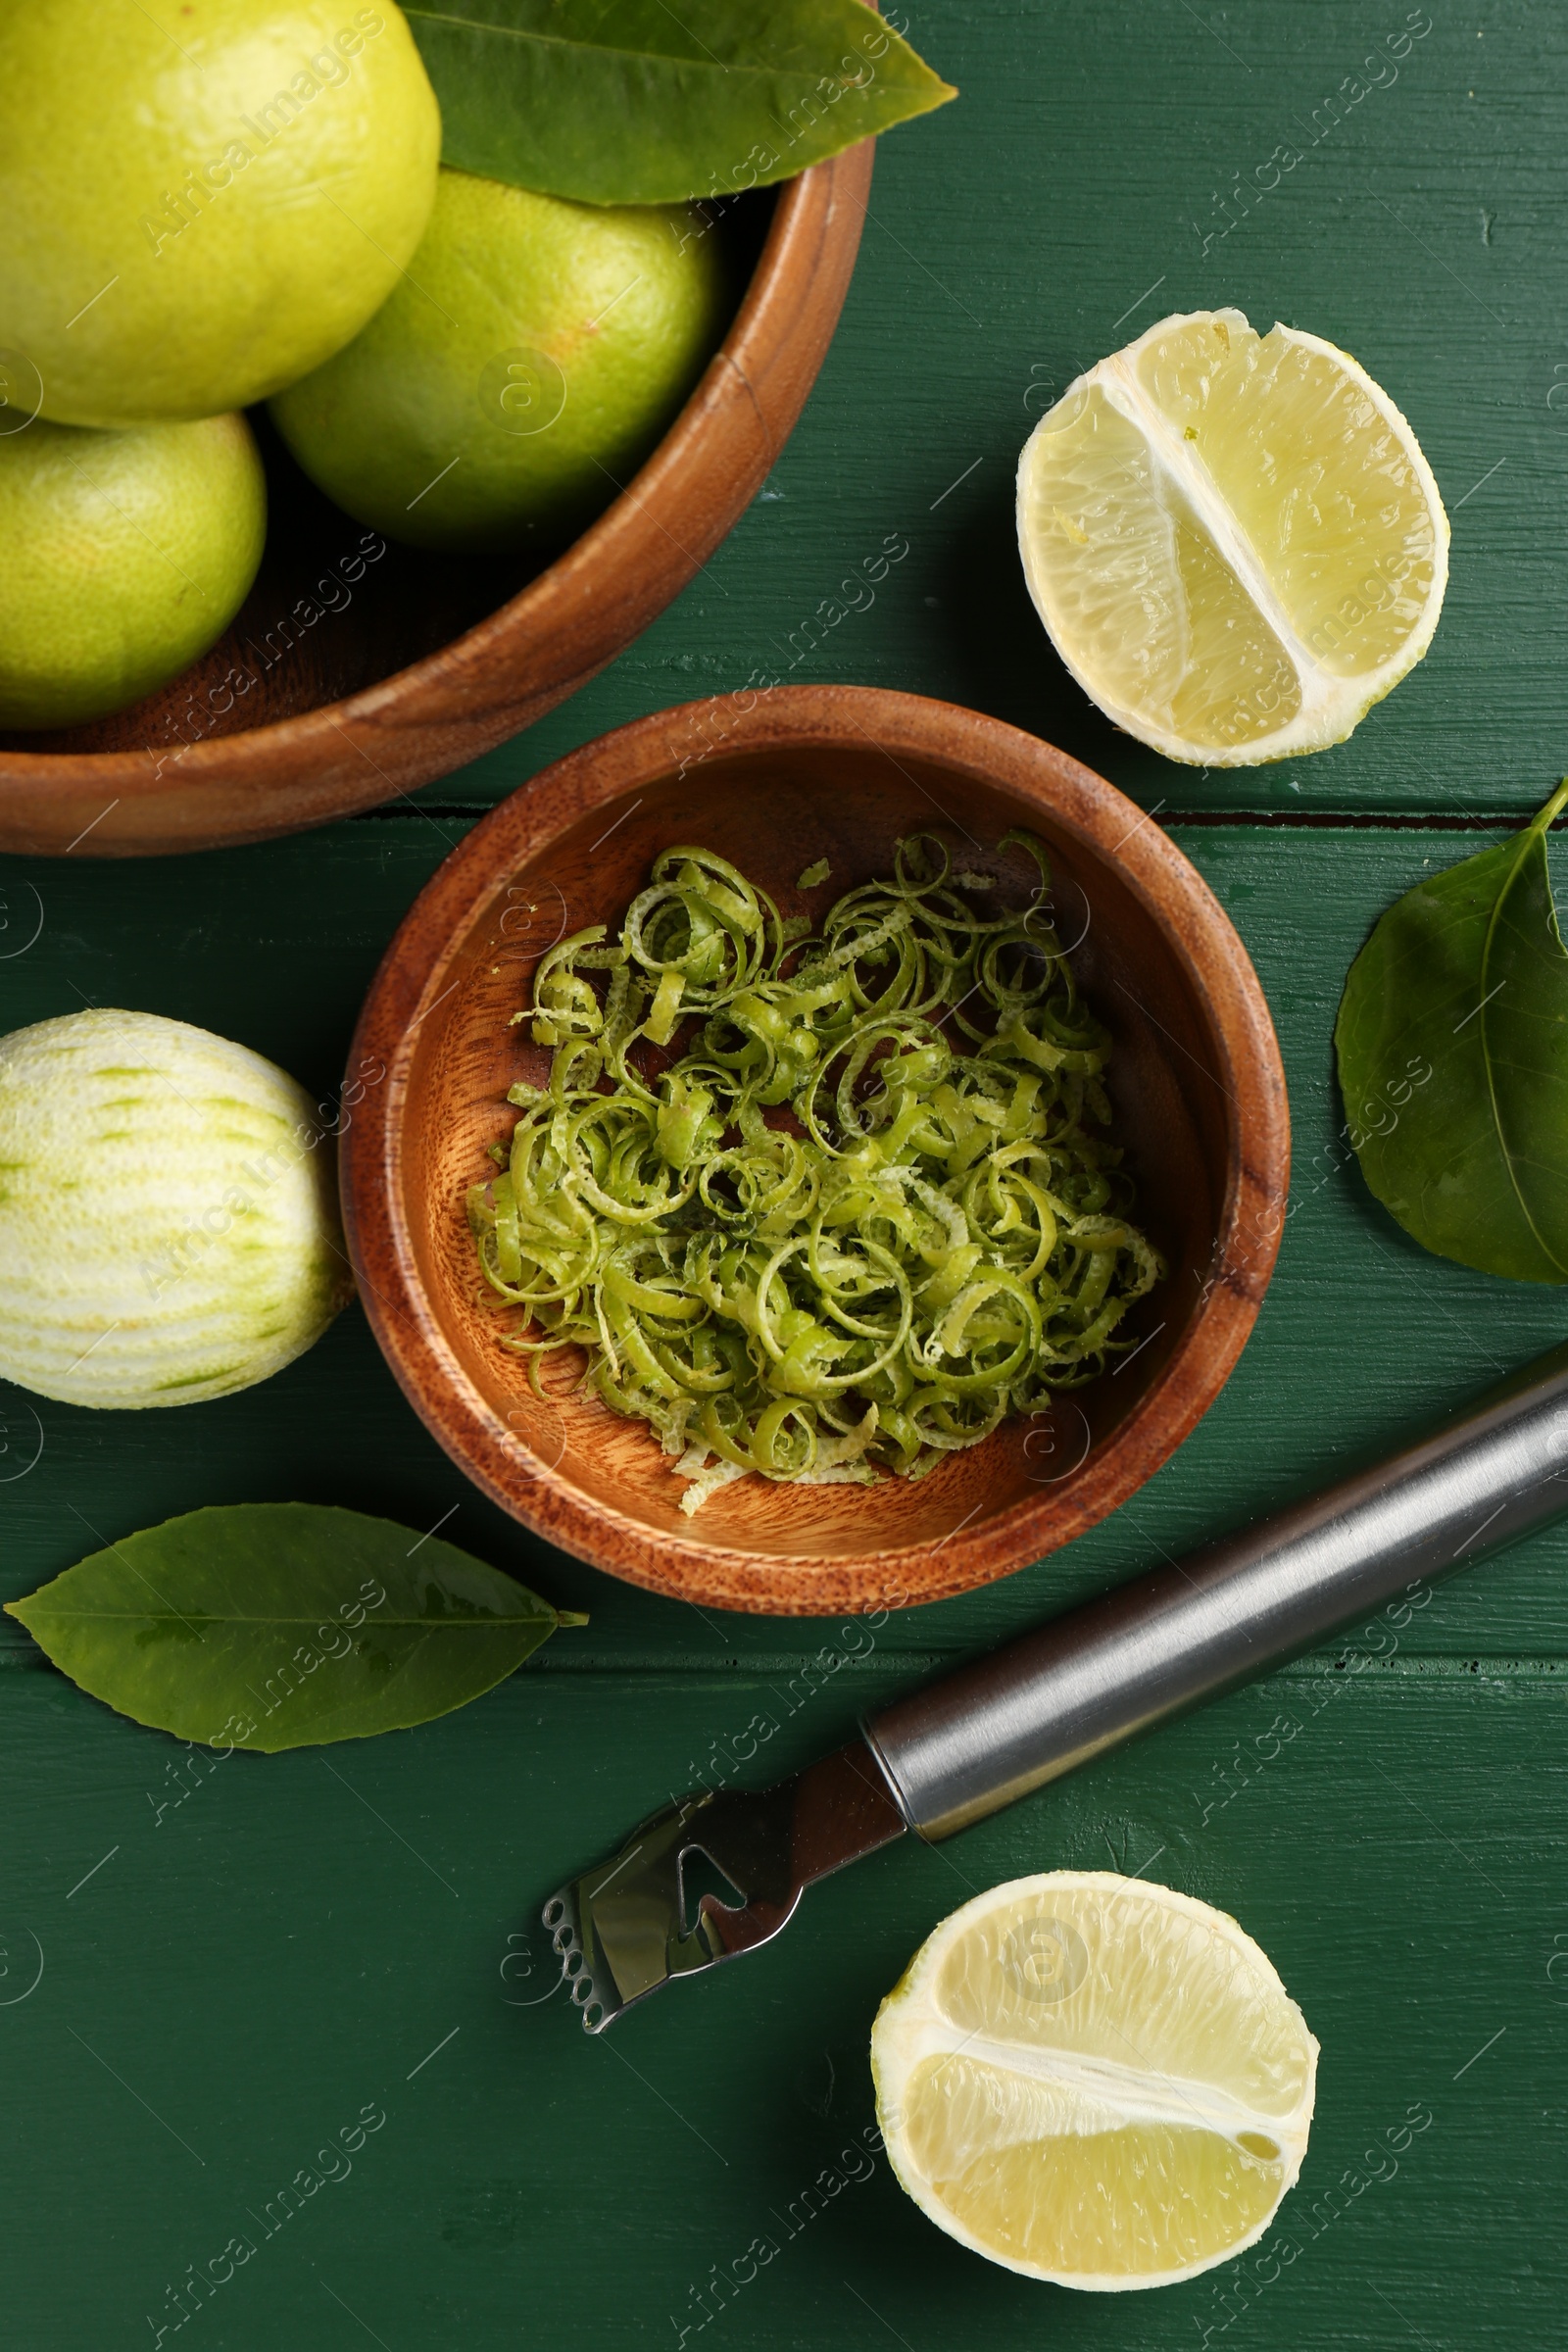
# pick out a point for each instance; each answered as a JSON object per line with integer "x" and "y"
{"x": 971, "y": 1744}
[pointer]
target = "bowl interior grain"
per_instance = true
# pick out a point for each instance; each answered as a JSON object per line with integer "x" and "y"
{"x": 599, "y": 1484}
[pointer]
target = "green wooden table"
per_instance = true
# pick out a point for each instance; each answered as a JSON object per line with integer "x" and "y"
{"x": 302, "y": 1940}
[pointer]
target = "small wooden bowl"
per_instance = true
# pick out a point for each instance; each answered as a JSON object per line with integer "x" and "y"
{"x": 416, "y": 663}
{"x": 775, "y": 782}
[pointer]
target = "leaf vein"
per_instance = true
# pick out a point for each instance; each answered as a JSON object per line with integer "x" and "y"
{"x": 648, "y": 57}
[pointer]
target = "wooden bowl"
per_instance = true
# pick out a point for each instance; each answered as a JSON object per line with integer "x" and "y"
{"x": 775, "y": 782}
{"x": 415, "y": 664}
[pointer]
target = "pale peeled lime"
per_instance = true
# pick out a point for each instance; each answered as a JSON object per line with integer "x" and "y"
{"x": 169, "y": 1222}
{"x": 201, "y": 198}
{"x": 1094, "y": 2081}
{"x": 1234, "y": 539}
{"x": 518, "y": 375}
{"x": 125, "y": 556}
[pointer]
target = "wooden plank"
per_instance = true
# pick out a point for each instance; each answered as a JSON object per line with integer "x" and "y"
{"x": 307, "y": 1937}
{"x": 229, "y": 1986}
{"x": 1060, "y": 206}
{"x": 1365, "y": 1338}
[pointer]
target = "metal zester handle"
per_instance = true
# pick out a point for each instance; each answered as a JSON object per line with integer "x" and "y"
{"x": 1029, "y": 1712}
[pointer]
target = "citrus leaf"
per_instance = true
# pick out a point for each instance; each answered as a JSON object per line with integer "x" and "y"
{"x": 276, "y": 1625}
{"x": 630, "y": 102}
{"x": 1453, "y": 1044}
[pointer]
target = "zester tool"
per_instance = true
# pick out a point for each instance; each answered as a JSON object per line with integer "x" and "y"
{"x": 1008, "y": 1723}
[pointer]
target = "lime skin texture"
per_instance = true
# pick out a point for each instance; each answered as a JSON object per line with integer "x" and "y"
{"x": 196, "y": 215}
{"x": 518, "y": 373}
{"x": 126, "y": 556}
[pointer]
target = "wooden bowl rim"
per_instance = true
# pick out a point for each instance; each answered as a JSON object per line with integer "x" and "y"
{"x": 822, "y": 205}
{"x": 410, "y": 984}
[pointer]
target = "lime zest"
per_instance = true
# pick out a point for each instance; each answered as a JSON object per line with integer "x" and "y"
{"x": 865, "y": 1211}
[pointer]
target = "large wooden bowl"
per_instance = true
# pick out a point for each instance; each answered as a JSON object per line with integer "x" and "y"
{"x": 775, "y": 782}
{"x": 414, "y": 665}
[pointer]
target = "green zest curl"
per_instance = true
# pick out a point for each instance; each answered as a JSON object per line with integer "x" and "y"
{"x": 864, "y": 1212}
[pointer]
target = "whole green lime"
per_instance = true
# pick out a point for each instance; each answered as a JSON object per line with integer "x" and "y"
{"x": 518, "y": 375}
{"x": 125, "y": 556}
{"x": 202, "y": 199}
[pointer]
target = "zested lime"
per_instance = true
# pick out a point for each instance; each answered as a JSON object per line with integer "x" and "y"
{"x": 169, "y": 1227}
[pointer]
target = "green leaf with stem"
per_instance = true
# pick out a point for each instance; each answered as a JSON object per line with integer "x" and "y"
{"x": 284, "y": 1624}
{"x": 640, "y": 102}
{"x": 1453, "y": 1044}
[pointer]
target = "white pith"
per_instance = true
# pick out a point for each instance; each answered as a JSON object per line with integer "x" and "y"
{"x": 1099, "y": 2080}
